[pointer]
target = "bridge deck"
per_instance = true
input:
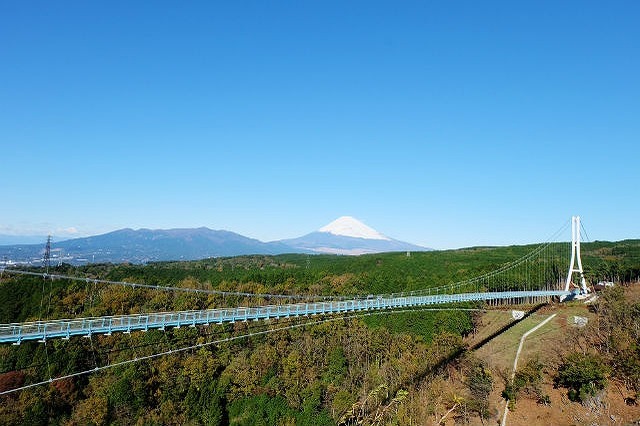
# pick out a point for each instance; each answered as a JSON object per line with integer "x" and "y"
{"x": 65, "y": 328}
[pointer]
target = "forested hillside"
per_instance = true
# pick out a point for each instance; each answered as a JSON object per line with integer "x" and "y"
{"x": 362, "y": 369}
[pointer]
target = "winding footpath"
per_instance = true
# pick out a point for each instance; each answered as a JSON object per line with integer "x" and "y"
{"x": 515, "y": 362}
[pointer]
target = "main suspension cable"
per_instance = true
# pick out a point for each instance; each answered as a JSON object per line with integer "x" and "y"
{"x": 169, "y": 288}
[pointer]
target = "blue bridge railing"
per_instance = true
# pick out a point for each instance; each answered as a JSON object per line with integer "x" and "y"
{"x": 65, "y": 328}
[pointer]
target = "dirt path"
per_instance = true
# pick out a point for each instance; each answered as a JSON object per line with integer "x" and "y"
{"x": 515, "y": 362}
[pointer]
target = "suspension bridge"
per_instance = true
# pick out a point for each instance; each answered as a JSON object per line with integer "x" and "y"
{"x": 533, "y": 278}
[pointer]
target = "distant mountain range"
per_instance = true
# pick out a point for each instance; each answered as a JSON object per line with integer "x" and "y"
{"x": 345, "y": 235}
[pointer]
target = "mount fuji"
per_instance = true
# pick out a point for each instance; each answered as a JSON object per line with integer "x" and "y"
{"x": 347, "y": 235}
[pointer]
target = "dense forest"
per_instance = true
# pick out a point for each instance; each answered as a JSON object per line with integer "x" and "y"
{"x": 369, "y": 368}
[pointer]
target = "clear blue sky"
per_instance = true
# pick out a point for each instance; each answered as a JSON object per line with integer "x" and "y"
{"x": 446, "y": 124}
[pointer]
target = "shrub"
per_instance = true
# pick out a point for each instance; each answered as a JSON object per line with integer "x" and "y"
{"x": 583, "y": 375}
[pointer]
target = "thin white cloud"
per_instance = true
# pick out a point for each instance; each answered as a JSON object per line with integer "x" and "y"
{"x": 40, "y": 229}
{"x": 72, "y": 230}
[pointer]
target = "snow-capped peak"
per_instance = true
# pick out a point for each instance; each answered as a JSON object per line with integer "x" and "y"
{"x": 348, "y": 226}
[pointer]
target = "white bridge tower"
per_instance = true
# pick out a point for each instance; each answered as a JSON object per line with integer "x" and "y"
{"x": 575, "y": 255}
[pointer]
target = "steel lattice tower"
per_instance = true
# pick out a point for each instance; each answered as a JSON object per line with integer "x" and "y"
{"x": 46, "y": 259}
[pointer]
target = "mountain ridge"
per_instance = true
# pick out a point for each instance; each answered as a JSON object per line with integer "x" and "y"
{"x": 151, "y": 245}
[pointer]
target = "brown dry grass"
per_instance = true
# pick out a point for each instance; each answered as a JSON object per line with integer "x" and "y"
{"x": 547, "y": 345}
